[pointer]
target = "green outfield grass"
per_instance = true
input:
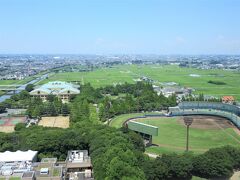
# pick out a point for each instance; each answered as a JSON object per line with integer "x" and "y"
{"x": 159, "y": 73}
{"x": 172, "y": 135}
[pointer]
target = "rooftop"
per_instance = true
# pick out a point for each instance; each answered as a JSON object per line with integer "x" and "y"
{"x": 57, "y": 87}
{"x": 228, "y": 98}
{"x": 17, "y": 156}
{"x": 78, "y": 158}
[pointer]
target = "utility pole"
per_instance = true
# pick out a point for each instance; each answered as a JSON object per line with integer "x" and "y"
{"x": 187, "y": 121}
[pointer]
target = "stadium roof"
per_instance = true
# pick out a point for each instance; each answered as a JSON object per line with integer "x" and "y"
{"x": 17, "y": 156}
{"x": 143, "y": 128}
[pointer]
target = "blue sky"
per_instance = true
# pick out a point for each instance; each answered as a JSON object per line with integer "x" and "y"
{"x": 120, "y": 26}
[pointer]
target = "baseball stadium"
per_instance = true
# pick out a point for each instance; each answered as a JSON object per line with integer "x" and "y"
{"x": 214, "y": 124}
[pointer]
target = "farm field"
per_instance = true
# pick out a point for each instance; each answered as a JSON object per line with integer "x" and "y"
{"x": 9, "y": 82}
{"x": 57, "y": 121}
{"x": 160, "y": 74}
{"x": 206, "y": 132}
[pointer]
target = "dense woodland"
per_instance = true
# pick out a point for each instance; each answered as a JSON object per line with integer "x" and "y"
{"x": 119, "y": 99}
{"x": 116, "y": 153}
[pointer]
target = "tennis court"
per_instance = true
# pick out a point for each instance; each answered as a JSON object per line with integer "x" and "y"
{"x": 7, "y": 124}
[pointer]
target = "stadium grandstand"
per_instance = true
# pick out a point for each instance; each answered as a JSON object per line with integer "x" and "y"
{"x": 228, "y": 111}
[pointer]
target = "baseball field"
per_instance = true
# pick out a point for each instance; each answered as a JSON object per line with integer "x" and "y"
{"x": 205, "y": 132}
{"x": 187, "y": 77}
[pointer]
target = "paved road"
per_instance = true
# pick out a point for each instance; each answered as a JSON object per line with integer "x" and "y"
{"x": 19, "y": 89}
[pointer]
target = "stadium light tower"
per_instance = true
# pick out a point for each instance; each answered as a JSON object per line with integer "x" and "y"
{"x": 187, "y": 121}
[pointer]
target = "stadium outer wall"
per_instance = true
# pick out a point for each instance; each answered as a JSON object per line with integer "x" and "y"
{"x": 227, "y": 111}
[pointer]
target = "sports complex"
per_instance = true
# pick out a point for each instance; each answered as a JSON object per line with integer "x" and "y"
{"x": 214, "y": 124}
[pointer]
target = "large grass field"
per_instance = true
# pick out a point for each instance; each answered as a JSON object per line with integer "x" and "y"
{"x": 172, "y": 135}
{"x": 159, "y": 73}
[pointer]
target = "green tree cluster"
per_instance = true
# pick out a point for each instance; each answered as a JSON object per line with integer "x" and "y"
{"x": 217, "y": 163}
{"x": 29, "y": 87}
{"x": 112, "y": 152}
{"x": 52, "y": 107}
{"x": 20, "y": 100}
{"x": 2, "y": 108}
{"x": 138, "y": 97}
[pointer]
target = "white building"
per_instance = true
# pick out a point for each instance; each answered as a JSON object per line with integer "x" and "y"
{"x": 18, "y": 156}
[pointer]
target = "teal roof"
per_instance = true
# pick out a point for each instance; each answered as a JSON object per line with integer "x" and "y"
{"x": 57, "y": 84}
{"x": 58, "y": 87}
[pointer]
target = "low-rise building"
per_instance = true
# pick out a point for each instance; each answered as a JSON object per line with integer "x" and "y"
{"x": 48, "y": 169}
{"x": 18, "y": 156}
{"x": 23, "y": 166}
{"x": 228, "y": 99}
{"x": 16, "y": 163}
{"x": 167, "y": 91}
{"x": 62, "y": 90}
{"x": 78, "y": 165}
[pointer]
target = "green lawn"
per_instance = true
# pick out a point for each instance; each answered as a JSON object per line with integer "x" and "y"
{"x": 159, "y": 73}
{"x": 172, "y": 135}
{"x": 119, "y": 120}
{"x": 14, "y": 178}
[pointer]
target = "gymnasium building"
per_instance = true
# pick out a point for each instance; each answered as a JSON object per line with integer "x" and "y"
{"x": 62, "y": 90}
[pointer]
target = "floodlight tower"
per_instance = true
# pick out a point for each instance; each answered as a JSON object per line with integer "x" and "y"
{"x": 187, "y": 121}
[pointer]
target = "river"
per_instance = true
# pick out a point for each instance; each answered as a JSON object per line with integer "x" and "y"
{"x": 21, "y": 88}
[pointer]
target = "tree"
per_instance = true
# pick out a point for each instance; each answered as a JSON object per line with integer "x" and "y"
{"x": 65, "y": 110}
{"x": 19, "y": 126}
{"x": 2, "y": 108}
{"x": 51, "y": 97}
{"x": 104, "y": 109}
{"x": 58, "y": 104}
{"x": 215, "y": 163}
{"x": 50, "y": 109}
{"x": 36, "y": 112}
{"x": 29, "y": 87}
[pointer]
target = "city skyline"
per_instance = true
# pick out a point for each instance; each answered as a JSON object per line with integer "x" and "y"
{"x": 120, "y": 27}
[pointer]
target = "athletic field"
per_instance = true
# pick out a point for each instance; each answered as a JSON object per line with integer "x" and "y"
{"x": 205, "y": 132}
{"x": 188, "y": 77}
{"x": 56, "y": 121}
